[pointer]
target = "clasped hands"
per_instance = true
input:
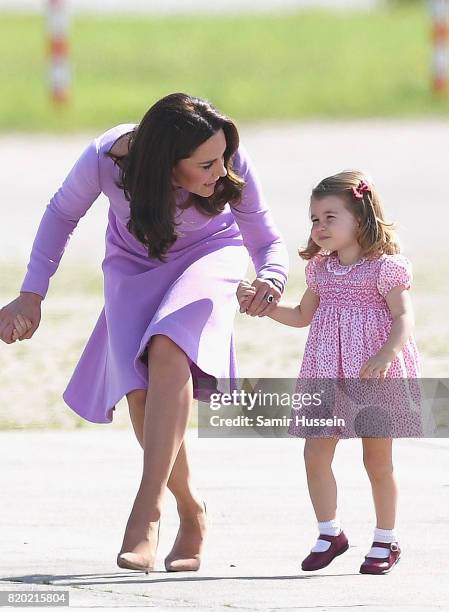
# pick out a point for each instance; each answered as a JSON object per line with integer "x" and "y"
{"x": 252, "y": 297}
{"x": 20, "y": 318}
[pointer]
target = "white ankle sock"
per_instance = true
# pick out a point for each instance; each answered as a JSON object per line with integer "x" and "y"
{"x": 331, "y": 528}
{"x": 382, "y": 535}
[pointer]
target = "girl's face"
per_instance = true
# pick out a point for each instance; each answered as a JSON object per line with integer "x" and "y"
{"x": 334, "y": 227}
{"x": 200, "y": 172}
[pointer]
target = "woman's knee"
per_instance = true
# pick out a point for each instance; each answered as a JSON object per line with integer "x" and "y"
{"x": 136, "y": 399}
{"x": 164, "y": 349}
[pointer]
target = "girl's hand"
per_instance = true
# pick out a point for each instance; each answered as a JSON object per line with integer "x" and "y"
{"x": 244, "y": 292}
{"x": 376, "y": 367}
{"x": 15, "y": 316}
{"x": 21, "y": 326}
{"x": 256, "y": 304}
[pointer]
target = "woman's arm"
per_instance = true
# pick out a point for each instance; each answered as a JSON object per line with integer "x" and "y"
{"x": 79, "y": 190}
{"x": 76, "y": 195}
{"x": 260, "y": 234}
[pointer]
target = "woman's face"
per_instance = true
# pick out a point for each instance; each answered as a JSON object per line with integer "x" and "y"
{"x": 200, "y": 172}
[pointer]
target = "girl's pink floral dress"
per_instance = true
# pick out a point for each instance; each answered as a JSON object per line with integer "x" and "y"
{"x": 350, "y": 325}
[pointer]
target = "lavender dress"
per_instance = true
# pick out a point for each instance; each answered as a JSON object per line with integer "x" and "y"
{"x": 189, "y": 298}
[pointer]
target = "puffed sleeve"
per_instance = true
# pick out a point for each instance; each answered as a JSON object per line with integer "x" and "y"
{"x": 79, "y": 190}
{"x": 395, "y": 271}
{"x": 310, "y": 272}
{"x": 260, "y": 234}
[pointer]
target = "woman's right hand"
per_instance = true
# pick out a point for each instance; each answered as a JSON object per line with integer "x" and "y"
{"x": 28, "y": 305}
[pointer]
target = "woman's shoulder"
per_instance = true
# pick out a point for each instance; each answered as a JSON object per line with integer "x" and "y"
{"x": 112, "y": 139}
{"x": 240, "y": 158}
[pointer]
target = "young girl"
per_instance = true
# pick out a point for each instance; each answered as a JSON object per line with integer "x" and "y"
{"x": 361, "y": 328}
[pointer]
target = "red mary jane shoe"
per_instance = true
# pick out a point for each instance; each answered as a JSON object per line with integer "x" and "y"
{"x": 371, "y": 565}
{"x": 318, "y": 560}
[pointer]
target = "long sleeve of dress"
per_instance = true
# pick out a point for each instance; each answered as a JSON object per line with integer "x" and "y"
{"x": 260, "y": 234}
{"x": 76, "y": 195}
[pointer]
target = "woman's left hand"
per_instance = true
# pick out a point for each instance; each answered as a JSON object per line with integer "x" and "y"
{"x": 257, "y": 304}
{"x": 376, "y": 367}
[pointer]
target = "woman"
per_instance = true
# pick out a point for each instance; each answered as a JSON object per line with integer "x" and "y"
{"x": 184, "y": 204}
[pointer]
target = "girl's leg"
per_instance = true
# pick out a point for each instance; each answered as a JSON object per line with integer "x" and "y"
{"x": 167, "y": 410}
{"x": 377, "y": 458}
{"x": 318, "y": 457}
{"x": 190, "y": 506}
{"x": 331, "y": 541}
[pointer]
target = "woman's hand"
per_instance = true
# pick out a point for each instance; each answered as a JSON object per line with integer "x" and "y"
{"x": 20, "y": 318}
{"x": 253, "y": 297}
{"x": 376, "y": 367}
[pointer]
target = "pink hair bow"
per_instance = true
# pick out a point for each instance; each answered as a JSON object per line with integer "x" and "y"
{"x": 360, "y": 189}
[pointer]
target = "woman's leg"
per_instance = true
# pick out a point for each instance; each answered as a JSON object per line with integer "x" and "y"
{"x": 167, "y": 410}
{"x": 318, "y": 457}
{"x": 187, "y": 499}
{"x": 136, "y": 404}
{"x": 378, "y": 461}
{"x": 187, "y": 548}
{"x": 186, "y": 551}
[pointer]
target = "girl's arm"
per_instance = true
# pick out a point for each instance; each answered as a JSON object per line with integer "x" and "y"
{"x": 400, "y": 305}
{"x": 300, "y": 315}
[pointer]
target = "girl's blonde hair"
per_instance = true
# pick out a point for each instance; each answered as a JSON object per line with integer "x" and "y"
{"x": 375, "y": 236}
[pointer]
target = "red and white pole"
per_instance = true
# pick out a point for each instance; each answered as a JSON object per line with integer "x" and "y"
{"x": 59, "y": 70}
{"x": 440, "y": 38}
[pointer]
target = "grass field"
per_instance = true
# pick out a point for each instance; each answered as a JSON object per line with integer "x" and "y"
{"x": 285, "y": 66}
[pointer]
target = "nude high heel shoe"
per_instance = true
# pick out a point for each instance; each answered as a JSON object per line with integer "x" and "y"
{"x": 184, "y": 564}
{"x": 135, "y": 561}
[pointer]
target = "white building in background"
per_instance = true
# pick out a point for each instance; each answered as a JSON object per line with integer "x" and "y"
{"x": 184, "y": 6}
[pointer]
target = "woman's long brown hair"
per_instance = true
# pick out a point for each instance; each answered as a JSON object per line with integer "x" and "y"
{"x": 171, "y": 130}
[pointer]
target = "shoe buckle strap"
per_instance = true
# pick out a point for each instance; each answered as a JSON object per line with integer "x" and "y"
{"x": 328, "y": 538}
{"x": 393, "y": 546}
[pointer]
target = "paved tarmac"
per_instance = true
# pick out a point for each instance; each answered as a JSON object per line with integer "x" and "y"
{"x": 66, "y": 497}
